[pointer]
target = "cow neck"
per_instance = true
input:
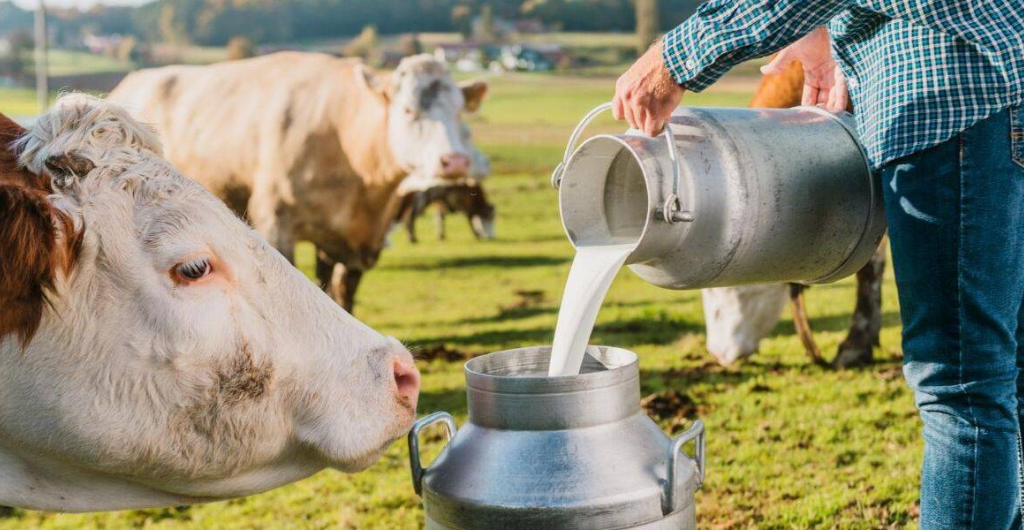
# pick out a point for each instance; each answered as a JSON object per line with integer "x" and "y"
{"x": 364, "y": 140}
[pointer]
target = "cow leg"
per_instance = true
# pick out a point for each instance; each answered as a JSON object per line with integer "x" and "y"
{"x": 344, "y": 282}
{"x": 411, "y": 214}
{"x": 439, "y": 213}
{"x": 271, "y": 221}
{"x": 866, "y": 323}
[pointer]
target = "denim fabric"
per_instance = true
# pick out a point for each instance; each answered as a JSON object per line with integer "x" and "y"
{"x": 956, "y": 222}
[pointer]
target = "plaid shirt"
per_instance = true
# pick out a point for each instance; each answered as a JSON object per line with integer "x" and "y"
{"x": 919, "y": 71}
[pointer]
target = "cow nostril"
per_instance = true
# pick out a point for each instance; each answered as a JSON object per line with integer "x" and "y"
{"x": 407, "y": 381}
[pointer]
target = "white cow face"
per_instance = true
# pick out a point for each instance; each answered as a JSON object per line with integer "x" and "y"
{"x": 182, "y": 354}
{"x": 737, "y": 318}
{"x": 424, "y": 124}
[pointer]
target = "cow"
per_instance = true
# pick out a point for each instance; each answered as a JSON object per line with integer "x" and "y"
{"x": 737, "y": 318}
{"x": 154, "y": 349}
{"x": 310, "y": 146}
{"x": 465, "y": 197}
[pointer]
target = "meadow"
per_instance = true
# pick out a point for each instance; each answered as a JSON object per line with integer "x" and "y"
{"x": 790, "y": 445}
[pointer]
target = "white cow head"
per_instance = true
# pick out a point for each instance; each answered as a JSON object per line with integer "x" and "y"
{"x": 177, "y": 357}
{"x": 737, "y": 318}
{"x": 424, "y": 123}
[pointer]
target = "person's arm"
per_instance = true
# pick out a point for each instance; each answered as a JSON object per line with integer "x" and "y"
{"x": 724, "y": 33}
{"x": 721, "y": 34}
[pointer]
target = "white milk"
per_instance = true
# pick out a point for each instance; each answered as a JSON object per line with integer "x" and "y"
{"x": 592, "y": 272}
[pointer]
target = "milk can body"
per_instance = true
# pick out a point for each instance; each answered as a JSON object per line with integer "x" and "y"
{"x": 573, "y": 452}
{"x": 729, "y": 197}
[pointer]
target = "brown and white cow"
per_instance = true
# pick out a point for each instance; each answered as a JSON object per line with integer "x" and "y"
{"x": 309, "y": 146}
{"x": 155, "y": 350}
{"x": 738, "y": 318}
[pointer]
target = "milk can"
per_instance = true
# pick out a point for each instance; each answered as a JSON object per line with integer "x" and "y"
{"x": 572, "y": 452}
{"x": 727, "y": 197}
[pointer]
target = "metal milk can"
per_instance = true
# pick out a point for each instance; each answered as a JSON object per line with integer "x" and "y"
{"x": 572, "y": 452}
{"x": 727, "y": 197}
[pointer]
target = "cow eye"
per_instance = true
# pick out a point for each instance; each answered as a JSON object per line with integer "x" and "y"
{"x": 410, "y": 112}
{"x": 193, "y": 270}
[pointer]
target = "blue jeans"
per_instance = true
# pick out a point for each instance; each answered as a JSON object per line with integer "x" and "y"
{"x": 956, "y": 222}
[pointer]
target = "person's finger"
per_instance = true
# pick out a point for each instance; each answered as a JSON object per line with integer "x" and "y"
{"x": 841, "y": 96}
{"x": 651, "y": 125}
{"x": 640, "y": 114}
{"x": 779, "y": 64}
{"x": 810, "y": 96}
{"x": 617, "y": 112}
{"x": 627, "y": 110}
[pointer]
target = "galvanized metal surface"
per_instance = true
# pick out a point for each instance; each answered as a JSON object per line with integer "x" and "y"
{"x": 559, "y": 452}
{"x": 771, "y": 195}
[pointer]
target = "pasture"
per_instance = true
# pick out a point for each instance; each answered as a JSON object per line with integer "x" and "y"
{"x": 790, "y": 445}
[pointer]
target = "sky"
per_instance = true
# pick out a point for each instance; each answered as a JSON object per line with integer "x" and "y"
{"x": 30, "y": 4}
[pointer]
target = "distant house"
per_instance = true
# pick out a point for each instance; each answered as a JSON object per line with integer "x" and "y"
{"x": 467, "y": 56}
{"x": 540, "y": 57}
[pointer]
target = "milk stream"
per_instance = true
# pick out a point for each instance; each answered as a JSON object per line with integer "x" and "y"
{"x": 590, "y": 276}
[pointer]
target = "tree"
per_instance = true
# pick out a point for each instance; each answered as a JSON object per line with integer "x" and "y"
{"x": 240, "y": 48}
{"x": 365, "y": 46}
{"x": 646, "y": 24}
{"x": 410, "y": 44}
{"x": 486, "y": 30}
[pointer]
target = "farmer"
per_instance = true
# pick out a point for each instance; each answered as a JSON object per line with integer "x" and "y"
{"x": 938, "y": 86}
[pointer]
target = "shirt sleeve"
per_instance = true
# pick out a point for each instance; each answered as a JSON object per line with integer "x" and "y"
{"x": 724, "y": 33}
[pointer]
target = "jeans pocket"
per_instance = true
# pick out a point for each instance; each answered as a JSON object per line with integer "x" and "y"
{"x": 1017, "y": 134}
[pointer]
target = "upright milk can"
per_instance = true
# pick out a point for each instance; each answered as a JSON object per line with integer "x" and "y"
{"x": 727, "y": 197}
{"x": 572, "y": 452}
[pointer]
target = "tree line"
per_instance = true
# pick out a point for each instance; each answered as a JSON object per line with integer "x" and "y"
{"x": 214, "y": 22}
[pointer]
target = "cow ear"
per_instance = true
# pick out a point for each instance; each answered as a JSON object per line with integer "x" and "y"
{"x": 37, "y": 242}
{"x": 380, "y": 85}
{"x": 67, "y": 169}
{"x": 474, "y": 93}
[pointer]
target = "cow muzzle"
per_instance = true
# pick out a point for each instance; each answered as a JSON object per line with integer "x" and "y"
{"x": 454, "y": 165}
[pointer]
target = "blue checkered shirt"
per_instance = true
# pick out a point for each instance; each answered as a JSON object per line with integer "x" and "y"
{"x": 919, "y": 71}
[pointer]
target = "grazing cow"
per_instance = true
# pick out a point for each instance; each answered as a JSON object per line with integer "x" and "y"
{"x": 309, "y": 146}
{"x": 467, "y": 197}
{"x": 737, "y": 318}
{"x": 155, "y": 350}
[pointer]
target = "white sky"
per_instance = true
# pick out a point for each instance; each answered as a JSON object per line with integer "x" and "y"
{"x": 30, "y": 4}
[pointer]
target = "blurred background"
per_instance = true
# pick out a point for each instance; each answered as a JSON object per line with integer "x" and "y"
{"x": 790, "y": 444}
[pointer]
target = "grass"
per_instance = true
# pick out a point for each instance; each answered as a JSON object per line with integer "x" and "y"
{"x": 789, "y": 445}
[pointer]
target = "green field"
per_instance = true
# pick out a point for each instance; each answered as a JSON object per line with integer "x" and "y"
{"x": 790, "y": 445}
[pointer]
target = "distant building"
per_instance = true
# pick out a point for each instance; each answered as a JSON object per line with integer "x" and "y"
{"x": 478, "y": 57}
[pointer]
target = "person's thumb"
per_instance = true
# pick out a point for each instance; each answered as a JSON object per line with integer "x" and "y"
{"x": 779, "y": 64}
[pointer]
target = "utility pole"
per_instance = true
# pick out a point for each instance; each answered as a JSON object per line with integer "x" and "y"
{"x": 42, "y": 77}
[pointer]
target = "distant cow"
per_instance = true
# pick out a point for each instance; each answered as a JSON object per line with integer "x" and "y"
{"x": 309, "y": 146}
{"x": 155, "y": 350}
{"x": 466, "y": 197}
{"x": 737, "y": 318}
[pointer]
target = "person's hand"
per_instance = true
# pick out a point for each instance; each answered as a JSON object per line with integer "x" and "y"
{"x": 824, "y": 84}
{"x": 647, "y": 94}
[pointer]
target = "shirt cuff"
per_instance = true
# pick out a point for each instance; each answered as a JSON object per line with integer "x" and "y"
{"x": 679, "y": 51}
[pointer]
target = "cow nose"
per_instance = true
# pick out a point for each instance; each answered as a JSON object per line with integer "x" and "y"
{"x": 454, "y": 165}
{"x": 407, "y": 381}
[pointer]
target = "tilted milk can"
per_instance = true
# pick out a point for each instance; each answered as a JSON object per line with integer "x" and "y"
{"x": 572, "y": 452}
{"x": 727, "y": 197}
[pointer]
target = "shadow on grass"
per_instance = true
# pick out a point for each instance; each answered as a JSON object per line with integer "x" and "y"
{"x": 832, "y": 323}
{"x": 480, "y": 261}
{"x": 624, "y": 333}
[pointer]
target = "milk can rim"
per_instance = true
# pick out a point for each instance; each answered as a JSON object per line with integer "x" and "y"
{"x": 627, "y": 369}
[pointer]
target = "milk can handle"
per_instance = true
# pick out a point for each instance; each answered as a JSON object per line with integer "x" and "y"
{"x": 414, "y": 444}
{"x": 696, "y": 432}
{"x": 672, "y": 211}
